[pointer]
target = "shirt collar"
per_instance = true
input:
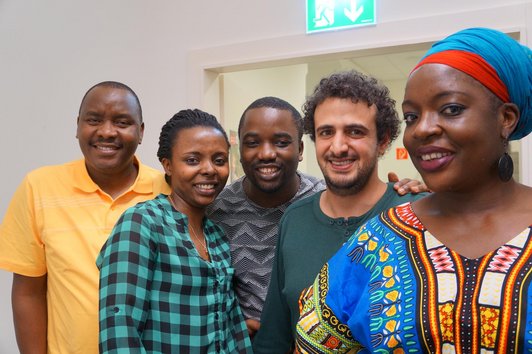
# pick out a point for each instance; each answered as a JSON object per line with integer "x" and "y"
{"x": 142, "y": 185}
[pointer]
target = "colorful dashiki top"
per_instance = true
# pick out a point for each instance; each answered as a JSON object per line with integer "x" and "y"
{"x": 394, "y": 288}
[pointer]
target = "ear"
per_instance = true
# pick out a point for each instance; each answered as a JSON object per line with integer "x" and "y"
{"x": 167, "y": 166}
{"x": 141, "y": 132}
{"x": 301, "y": 147}
{"x": 509, "y": 117}
{"x": 77, "y": 127}
{"x": 383, "y": 145}
{"x": 240, "y": 148}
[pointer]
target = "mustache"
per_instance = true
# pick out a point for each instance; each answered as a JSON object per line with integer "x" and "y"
{"x": 112, "y": 140}
{"x": 343, "y": 155}
{"x": 262, "y": 164}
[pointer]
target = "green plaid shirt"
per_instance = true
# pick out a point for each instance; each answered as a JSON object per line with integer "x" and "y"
{"x": 158, "y": 296}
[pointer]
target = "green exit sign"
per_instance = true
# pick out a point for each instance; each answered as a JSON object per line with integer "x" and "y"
{"x": 324, "y": 15}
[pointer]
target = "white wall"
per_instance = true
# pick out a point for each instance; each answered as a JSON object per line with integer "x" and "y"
{"x": 52, "y": 51}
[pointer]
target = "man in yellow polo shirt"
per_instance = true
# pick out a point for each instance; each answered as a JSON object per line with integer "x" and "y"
{"x": 60, "y": 216}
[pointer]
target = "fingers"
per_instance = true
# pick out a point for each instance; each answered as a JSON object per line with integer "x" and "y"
{"x": 253, "y": 327}
{"x": 392, "y": 177}
{"x": 407, "y": 185}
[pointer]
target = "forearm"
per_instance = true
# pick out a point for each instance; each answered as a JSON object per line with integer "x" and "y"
{"x": 30, "y": 313}
{"x": 126, "y": 272}
{"x": 120, "y": 320}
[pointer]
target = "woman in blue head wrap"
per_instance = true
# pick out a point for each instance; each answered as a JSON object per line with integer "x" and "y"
{"x": 449, "y": 273}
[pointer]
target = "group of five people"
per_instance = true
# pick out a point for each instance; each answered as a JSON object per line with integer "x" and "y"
{"x": 150, "y": 263}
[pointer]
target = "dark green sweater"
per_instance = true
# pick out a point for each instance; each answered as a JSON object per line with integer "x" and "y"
{"x": 307, "y": 239}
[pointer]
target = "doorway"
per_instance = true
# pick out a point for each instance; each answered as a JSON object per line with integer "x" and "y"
{"x": 227, "y": 89}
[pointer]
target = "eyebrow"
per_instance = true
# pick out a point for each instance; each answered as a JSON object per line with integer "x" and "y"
{"x": 324, "y": 126}
{"x": 358, "y": 126}
{"x": 276, "y": 135}
{"x": 123, "y": 115}
{"x": 282, "y": 135}
{"x": 198, "y": 153}
{"x": 349, "y": 126}
{"x": 252, "y": 134}
{"x": 119, "y": 115}
{"x": 440, "y": 95}
{"x": 92, "y": 113}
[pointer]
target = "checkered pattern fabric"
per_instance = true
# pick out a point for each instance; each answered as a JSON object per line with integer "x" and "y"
{"x": 158, "y": 296}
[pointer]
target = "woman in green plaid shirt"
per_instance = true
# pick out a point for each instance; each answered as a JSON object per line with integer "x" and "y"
{"x": 165, "y": 274}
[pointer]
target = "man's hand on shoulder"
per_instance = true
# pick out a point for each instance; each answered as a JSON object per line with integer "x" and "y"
{"x": 407, "y": 185}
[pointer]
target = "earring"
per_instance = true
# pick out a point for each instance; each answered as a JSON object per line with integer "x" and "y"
{"x": 505, "y": 166}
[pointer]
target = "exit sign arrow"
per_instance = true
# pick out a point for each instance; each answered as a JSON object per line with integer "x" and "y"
{"x": 352, "y": 12}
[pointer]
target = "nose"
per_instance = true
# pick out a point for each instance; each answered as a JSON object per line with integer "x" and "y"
{"x": 338, "y": 144}
{"x": 426, "y": 126}
{"x": 208, "y": 168}
{"x": 267, "y": 152}
{"x": 107, "y": 129}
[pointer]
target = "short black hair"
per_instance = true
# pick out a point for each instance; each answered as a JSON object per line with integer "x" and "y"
{"x": 356, "y": 87}
{"x": 116, "y": 85}
{"x": 276, "y": 103}
{"x": 184, "y": 119}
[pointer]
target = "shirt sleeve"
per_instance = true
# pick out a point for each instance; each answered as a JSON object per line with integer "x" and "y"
{"x": 126, "y": 265}
{"x": 21, "y": 246}
{"x": 275, "y": 333}
{"x": 329, "y": 305}
{"x": 239, "y": 329}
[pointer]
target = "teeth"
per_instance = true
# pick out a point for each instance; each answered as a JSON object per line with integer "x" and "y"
{"x": 268, "y": 170}
{"x": 205, "y": 186}
{"x": 106, "y": 148}
{"x": 434, "y": 155}
{"x": 341, "y": 163}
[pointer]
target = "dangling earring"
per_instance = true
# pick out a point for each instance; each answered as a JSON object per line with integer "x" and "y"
{"x": 505, "y": 166}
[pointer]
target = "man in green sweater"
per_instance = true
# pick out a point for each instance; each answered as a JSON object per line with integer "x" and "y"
{"x": 352, "y": 120}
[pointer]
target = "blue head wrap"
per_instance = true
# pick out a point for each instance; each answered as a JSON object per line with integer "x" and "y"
{"x": 511, "y": 60}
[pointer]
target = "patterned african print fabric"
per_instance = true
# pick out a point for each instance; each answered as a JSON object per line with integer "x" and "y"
{"x": 394, "y": 288}
{"x": 157, "y": 295}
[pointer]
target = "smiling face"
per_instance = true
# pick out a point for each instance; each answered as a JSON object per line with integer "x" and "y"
{"x": 347, "y": 149}
{"x": 270, "y": 150}
{"x": 454, "y": 128}
{"x": 109, "y": 130}
{"x": 198, "y": 167}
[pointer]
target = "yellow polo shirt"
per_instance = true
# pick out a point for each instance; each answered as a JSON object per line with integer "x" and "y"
{"x": 56, "y": 224}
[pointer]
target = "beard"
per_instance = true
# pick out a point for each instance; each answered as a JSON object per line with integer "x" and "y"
{"x": 268, "y": 188}
{"x": 351, "y": 185}
{"x": 254, "y": 182}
